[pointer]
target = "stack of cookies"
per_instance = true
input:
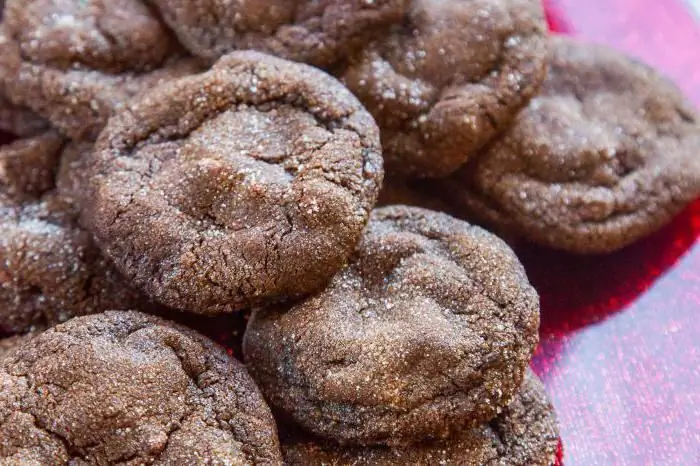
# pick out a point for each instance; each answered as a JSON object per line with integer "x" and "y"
{"x": 195, "y": 161}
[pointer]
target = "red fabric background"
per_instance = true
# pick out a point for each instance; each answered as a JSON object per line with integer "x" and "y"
{"x": 620, "y": 351}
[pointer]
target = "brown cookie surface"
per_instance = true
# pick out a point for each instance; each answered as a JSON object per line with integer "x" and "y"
{"x": 246, "y": 184}
{"x": 427, "y": 331}
{"x": 11, "y": 342}
{"x": 606, "y": 155}
{"x": 311, "y": 31}
{"x": 50, "y": 269}
{"x": 28, "y": 165}
{"x": 449, "y": 79}
{"x": 128, "y": 388}
{"x": 18, "y": 121}
{"x": 74, "y": 62}
{"x": 524, "y": 434}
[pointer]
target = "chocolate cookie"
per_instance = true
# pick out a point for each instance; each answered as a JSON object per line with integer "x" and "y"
{"x": 16, "y": 121}
{"x": 428, "y": 331}
{"x": 524, "y": 434}
{"x": 9, "y": 343}
{"x": 411, "y": 193}
{"x": 75, "y": 61}
{"x": 246, "y": 184}
{"x": 127, "y": 388}
{"x": 449, "y": 79}
{"x": 607, "y": 154}
{"x": 73, "y": 172}
{"x": 50, "y": 270}
{"x": 311, "y": 31}
{"x": 28, "y": 166}
{"x": 19, "y": 122}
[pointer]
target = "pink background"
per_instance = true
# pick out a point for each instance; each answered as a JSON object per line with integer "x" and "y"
{"x": 620, "y": 352}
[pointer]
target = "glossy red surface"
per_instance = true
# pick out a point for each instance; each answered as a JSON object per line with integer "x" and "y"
{"x": 620, "y": 352}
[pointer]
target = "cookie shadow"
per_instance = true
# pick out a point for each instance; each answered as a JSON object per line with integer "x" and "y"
{"x": 577, "y": 291}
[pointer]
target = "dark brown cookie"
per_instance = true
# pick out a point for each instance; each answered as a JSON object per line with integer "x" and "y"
{"x": 127, "y": 388}
{"x": 73, "y": 172}
{"x": 415, "y": 193}
{"x": 28, "y": 166}
{"x": 75, "y": 61}
{"x": 449, "y": 79}
{"x": 246, "y": 184}
{"x": 16, "y": 121}
{"x": 19, "y": 122}
{"x": 50, "y": 270}
{"x": 524, "y": 434}
{"x": 428, "y": 331}
{"x": 317, "y": 32}
{"x": 606, "y": 155}
{"x": 9, "y": 343}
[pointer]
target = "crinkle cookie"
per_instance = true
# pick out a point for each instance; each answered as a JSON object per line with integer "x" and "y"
{"x": 606, "y": 155}
{"x": 449, "y": 79}
{"x": 247, "y": 184}
{"x": 50, "y": 269}
{"x": 126, "y": 388}
{"x": 427, "y": 332}
{"x": 10, "y": 342}
{"x": 28, "y": 165}
{"x": 18, "y": 122}
{"x": 318, "y": 32}
{"x": 524, "y": 434}
{"x": 75, "y": 61}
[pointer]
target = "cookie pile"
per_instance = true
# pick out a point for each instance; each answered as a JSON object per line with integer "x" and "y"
{"x": 171, "y": 160}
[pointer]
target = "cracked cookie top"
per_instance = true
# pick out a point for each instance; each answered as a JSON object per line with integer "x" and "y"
{"x": 311, "y": 31}
{"x": 50, "y": 269}
{"x": 75, "y": 61}
{"x": 128, "y": 388}
{"x": 449, "y": 79}
{"x": 524, "y": 434}
{"x": 247, "y": 184}
{"x": 429, "y": 330}
{"x": 604, "y": 156}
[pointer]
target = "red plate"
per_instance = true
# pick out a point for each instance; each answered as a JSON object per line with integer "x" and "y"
{"x": 620, "y": 333}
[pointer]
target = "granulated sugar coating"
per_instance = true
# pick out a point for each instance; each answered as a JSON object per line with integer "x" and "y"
{"x": 50, "y": 270}
{"x": 127, "y": 388}
{"x": 318, "y": 32}
{"x": 8, "y": 343}
{"x": 75, "y": 61}
{"x": 449, "y": 79}
{"x": 524, "y": 434}
{"x": 247, "y": 184}
{"x": 16, "y": 121}
{"x": 427, "y": 332}
{"x": 606, "y": 155}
